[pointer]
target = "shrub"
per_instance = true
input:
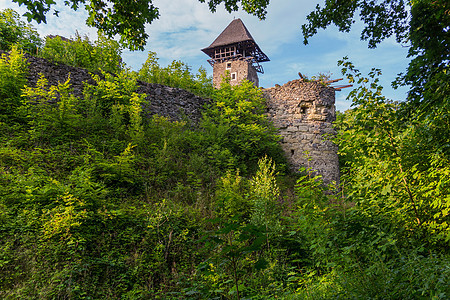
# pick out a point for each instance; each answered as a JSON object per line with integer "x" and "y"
{"x": 13, "y": 31}
{"x": 103, "y": 54}
{"x": 13, "y": 71}
{"x": 235, "y": 120}
{"x": 177, "y": 74}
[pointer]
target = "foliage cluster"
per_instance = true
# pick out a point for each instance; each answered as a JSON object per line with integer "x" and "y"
{"x": 421, "y": 25}
{"x": 389, "y": 163}
{"x": 104, "y": 54}
{"x": 394, "y": 159}
{"x": 98, "y": 201}
{"x": 12, "y": 76}
{"x": 15, "y": 31}
{"x": 321, "y": 78}
{"x": 128, "y": 19}
{"x": 396, "y": 174}
{"x": 177, "y": 74}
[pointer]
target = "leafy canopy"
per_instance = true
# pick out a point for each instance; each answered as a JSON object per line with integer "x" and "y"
{"x": 424, "y": 25}
{"x": 128, "y": 18}
{"x": 421, "y": 23}
{"x": 102, "y": 54}
{"x": 14, "y": 31}
{"x": 387, "y": 166}
{"x": 383, "y": 19}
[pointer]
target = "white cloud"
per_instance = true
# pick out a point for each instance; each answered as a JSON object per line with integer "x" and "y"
{"x": 186, "y": 26}
{"x": 65, "y": 25}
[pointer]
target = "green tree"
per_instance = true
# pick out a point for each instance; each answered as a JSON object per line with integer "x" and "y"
{"x": 177, "y": 74}
{"x": 387, "y": 166}
{"x": 125, "y": 18}
{"x": 428, "y": 74}
{"x": 421, "y": 23}
{"x": 14, "y": 31}
{"x": 264, "y": 195}
{"x": 102, "y": 54}
{"x": 13, "y": 71}
{"x": 383, "y": 19}
{"x": 394, "y": 151}
{"x": 128, "y": 18}
{"x": 236, "y": 123}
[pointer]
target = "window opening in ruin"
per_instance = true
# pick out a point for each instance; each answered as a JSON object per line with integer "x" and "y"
{"x": 292, "y": 152}
{"x": 233, "y": 76}
{"x": 228, "y": 66}
{"x": 303, "y": 110}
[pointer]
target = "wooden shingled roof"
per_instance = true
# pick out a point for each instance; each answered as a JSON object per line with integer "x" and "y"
{"x": 236, "y": 33}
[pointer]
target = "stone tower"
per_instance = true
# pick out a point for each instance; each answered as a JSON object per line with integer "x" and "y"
{"x": 304, "y": 113}
{"x": 236, "y": 53}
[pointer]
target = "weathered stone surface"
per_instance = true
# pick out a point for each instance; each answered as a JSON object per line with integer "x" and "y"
{"x": 174, "y": 103}
{"x": 303, "y": 112}
{"x": 240, "y": 69}
{"x": 57, "y": 73}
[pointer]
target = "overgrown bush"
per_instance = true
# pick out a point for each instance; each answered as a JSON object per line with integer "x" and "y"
{"x": 236, "y": 122}
{"x": 177, "y": 74}
{"x": 99, "y": 201}
{"x": 13, "y": 71}
{"x": 384, "y": 168}
{"x": 99, "y": 197}
{"x": 103, "y": 54}
{"x": 13, "y": 31}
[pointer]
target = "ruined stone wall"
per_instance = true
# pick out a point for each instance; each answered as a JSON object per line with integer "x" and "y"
{"x": 173, "y": 103}
{"x": 242, "y": 69}
{"x": 303, "y": 112}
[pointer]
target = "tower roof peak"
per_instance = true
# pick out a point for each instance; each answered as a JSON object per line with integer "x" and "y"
{"x": 236, "y": 34}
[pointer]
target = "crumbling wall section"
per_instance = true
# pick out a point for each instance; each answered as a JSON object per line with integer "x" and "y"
{"x": 303, "y": 112}
{"x": 173, "y": 103}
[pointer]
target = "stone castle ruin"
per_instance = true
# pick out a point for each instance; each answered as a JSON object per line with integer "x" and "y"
{"x": 302, "y": 111}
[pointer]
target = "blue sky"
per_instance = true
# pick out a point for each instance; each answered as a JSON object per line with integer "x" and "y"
{"x": 186, "y": 26}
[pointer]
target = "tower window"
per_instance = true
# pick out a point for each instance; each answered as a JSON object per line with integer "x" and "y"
{"x": 233, "y": 76}
{"x": 228, "y": 66}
